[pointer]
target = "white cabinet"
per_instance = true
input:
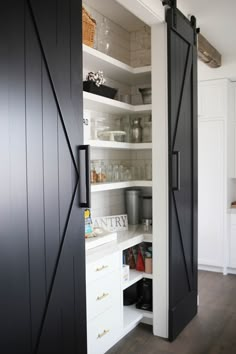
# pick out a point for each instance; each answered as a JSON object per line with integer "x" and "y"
{"x": 213, "y": 128}
{"x": 104, "y": 308}
{"x": 211, "y": 192}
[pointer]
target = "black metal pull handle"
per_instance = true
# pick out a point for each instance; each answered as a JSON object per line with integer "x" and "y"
{"x": 84, "y": 176}
{"x": 176, "y": 187}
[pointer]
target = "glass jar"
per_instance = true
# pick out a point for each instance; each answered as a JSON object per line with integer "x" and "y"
{"x": 109, "y": 173}
{"x": 147, "y": 132}
{"x": 104, "y": 39}
{"x": 101, "y": 173}
{"x": 116, "y": 174}
{"x": 93, "y": 173}
{"x": 136, "y": 131}
{"x": 125, "y": 126}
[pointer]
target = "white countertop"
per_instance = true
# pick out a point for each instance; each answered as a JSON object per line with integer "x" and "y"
{"x": 125, "y": 239}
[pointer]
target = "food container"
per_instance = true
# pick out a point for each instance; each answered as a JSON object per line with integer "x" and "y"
{"x": 125, "y": 273}
{"x": 148, "y": 263}
{"x": 132, "y": 200}
{"x": 146, "y": 95}
{"x": 136, "y": 131}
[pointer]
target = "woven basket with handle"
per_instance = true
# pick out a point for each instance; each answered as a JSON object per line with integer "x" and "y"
{"x": 89, "y": 26}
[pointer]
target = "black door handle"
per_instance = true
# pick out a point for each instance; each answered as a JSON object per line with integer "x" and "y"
{"x": 84, "y": 176}
{"x": 176, "y": 172}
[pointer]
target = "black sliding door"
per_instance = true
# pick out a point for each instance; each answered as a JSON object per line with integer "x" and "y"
{"x": 42, "y": 253}
{"x": 182, "y": 83}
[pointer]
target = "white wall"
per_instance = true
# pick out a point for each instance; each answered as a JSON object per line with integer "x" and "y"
{"x": 227, "y": 70}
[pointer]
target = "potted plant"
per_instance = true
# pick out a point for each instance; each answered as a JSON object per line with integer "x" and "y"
{"x": 95, "y": 84}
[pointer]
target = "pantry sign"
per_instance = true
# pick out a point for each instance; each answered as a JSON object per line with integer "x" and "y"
{"x": 112, "y": 223}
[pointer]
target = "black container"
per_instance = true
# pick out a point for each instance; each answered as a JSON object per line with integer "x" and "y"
{"x": 144, "y": 295}
{"x": 130, "y": 295}
{"x": 102, "y": 90}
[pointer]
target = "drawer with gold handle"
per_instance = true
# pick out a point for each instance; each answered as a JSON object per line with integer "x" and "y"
{"x": 99, "y": 269}
{"x": 103, "y": 296}
{"x": 102, "y": 267}
{"x": 100, "y": 335}
{"x": 104, "y": 330}
{"x": 102, "y": 293}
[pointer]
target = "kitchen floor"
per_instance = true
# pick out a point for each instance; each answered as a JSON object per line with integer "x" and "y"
{"x": 212, "y": 331}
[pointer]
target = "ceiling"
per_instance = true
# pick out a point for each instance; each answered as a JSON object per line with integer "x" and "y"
{"x": 217, "y": 22}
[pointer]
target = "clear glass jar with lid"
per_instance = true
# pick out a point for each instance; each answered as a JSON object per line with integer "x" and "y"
{"x": 136, "y": 131}
{"x": 101, "y": 172}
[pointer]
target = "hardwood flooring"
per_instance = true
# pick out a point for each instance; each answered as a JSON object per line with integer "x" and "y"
{"x": 212, "y": 331}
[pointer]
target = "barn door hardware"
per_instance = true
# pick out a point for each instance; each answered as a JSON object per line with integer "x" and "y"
{"x": 173, "y": 5}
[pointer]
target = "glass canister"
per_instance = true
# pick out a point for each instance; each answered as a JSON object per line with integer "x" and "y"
{"x": 147, "y": 132}
{"x": 101, "y": 173}
{"x": 93, "y": 173}
{"x": 136, "y": 131}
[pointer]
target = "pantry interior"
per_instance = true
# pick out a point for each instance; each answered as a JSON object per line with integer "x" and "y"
{"x": 126, "y": 147}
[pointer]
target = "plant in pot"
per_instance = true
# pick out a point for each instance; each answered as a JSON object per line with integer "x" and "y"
{"x": 95, "y": 84}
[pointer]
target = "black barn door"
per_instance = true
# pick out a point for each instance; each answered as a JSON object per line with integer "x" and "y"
{"x": 42, "y": 253}
{"x": 182, "y": 83}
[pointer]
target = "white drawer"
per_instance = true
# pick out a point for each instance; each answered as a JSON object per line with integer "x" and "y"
{"x": 102, "y": 267}
{"x": 104, "y": 331}
{"x": 103, "y": 294}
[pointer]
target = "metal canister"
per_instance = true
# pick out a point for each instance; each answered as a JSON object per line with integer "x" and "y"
{"x": 132, "y": 201}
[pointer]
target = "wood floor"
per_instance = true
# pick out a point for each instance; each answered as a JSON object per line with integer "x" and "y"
{"x": 212, "y": 331}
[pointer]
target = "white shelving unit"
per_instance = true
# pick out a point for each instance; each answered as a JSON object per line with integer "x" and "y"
{"x": 132, "y": 316}
{"x": 114, "y": 68}
{"x": 98, "y": 103}
{"x": 118, "y": 145}
{"x": 100, "y": 187}
{"x": 134, "y": 277}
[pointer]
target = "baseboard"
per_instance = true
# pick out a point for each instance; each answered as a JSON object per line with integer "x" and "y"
{"x": 231, "y": 270}
{"x": 223, "y": 270}
{"x": 209, "y": 268}
{"x": 148, "y": 321}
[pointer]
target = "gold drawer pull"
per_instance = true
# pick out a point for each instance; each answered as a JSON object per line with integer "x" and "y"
{"x": 100, "y": 335}
{"x": 102, "y": 296}
{"x": 101, "y": 268}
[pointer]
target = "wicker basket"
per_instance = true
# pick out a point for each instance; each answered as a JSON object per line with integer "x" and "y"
{"x": 89, "y": 26}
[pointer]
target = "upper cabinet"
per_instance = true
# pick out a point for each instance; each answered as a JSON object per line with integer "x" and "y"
{"x": 212, "y": 98}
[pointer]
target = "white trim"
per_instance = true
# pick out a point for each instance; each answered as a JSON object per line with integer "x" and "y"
{"x": 150, "y": 12}
{"x": 101, "y": 187}
{"x": 102, "y": 144}
{"x": 98, "y": 103}
{"x": 231, "y": 270}
{"x": 160, "y": 181}
{"x": 209, "y": 268}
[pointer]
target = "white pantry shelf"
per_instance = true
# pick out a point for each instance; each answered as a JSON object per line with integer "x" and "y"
{"x": 134, "y": 277}
{"x": 118, "y": 145}
{"x": 131, "y": 317}
{"x": 100, "y": 187}
{"x": 115, "y": 69}
{"x": 98, "y": 103}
